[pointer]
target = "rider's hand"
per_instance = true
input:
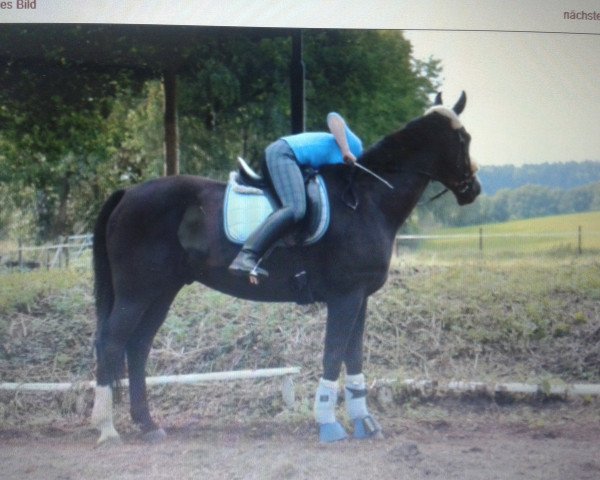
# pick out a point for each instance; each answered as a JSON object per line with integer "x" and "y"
{"x": 349, "y": 158}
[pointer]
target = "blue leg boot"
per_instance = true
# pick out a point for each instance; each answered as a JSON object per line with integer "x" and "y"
{"x": 365, "y": 426}
{"x": 330, "y": 430}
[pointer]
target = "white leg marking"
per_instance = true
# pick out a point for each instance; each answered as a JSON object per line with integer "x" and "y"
{"x": 102, "y": 414}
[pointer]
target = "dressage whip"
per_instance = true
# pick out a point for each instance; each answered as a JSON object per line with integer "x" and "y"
{"x": 365, "y": 169}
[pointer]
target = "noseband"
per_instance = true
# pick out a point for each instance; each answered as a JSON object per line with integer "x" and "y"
{"x": 468, "y": 175}
{"x": 462, "y": 162}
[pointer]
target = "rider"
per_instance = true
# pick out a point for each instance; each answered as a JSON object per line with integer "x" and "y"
{"x": 283, "y": 160}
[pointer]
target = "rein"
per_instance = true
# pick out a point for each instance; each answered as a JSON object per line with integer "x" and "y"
{"x": 350, "y": 198}
{"x": 436, "y": 196}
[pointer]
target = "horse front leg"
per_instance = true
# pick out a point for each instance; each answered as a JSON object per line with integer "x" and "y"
{"x": 342, "y": 315}
{"x": 355, "y": 391}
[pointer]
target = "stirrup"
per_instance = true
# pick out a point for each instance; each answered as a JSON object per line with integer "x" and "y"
{"x": 256, "y": 274}
{"x": 248, "y": 265}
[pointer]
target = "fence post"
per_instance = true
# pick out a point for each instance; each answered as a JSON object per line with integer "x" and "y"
{"x": 20, "y": 253}
{"x": 66, "y": 250}
{"x": 579, "y": 247}
{"x": 59, "y": 252}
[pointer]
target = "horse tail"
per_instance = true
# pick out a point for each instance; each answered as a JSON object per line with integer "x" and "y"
{"x": 103, "y": 286}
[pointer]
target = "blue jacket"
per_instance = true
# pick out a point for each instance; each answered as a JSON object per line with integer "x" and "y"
{"x": 316, "y": 149}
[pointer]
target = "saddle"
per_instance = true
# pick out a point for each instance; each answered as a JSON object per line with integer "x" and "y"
{"x": 249, "y": 200}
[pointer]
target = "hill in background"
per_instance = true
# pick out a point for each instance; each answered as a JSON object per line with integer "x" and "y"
{"x": 565, "y": 175}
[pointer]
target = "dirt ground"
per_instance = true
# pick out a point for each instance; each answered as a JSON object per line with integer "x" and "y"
{"x": 551, "y": 442}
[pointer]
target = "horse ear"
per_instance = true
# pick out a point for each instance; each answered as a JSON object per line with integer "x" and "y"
{"x": 438, "y": 99}
{"x": 460, "y": 105}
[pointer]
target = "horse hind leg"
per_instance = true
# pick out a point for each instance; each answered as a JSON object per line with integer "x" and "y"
{"x": 110, "y": 354}
{"x": 138, "y": 349}
{"x": 102, "y": 415}
{"x": 102, "y": 412}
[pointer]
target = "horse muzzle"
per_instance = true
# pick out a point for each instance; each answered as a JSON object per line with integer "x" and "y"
{"x": 467, "y": 191}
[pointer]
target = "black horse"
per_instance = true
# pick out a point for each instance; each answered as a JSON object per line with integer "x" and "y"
{"x": 152, "y": 239}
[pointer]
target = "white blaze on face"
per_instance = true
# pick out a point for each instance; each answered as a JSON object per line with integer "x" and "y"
{"x": 102, "y": 414}
{"x": 446, "y": 112}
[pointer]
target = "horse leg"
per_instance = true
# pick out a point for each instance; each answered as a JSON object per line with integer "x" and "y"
{"x": 110, "y": 350}
{"x": 138, "y": 349}
{"x": 342, "y": 314}
{"x": 102, "y": 415}
{"x": 355, "y": 391}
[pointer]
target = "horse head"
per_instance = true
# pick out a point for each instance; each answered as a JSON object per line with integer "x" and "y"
{"x": 451, "y": 163}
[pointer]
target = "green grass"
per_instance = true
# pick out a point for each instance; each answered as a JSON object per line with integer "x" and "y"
{"x": 555, "y": 235}
{"x": 19, "y": 291}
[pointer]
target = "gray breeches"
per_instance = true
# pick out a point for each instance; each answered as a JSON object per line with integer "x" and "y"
{"x": 286, "y": 177}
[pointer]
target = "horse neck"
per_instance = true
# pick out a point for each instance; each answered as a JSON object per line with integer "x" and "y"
{"x": 405, "y": 169}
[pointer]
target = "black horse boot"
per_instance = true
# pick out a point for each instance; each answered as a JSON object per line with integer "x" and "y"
{"x": 272, "y": 229}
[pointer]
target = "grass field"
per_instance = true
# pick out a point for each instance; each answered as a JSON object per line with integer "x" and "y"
{"x": 558, "y": 235}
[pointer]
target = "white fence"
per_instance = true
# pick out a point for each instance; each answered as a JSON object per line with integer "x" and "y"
{"x": 576, "y": 241}
{"x": 69, "y": 252}
{"x": 75, "y": 251}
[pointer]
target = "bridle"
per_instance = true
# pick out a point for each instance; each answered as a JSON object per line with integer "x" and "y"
{"x": 460, "y": 187}
{"x": 468, "y": 173}
{"x": 463, "y": 185}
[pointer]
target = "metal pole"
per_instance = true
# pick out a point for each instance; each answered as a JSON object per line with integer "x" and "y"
{"x": 297, "y": 83}
{"x": 170, "y": 119}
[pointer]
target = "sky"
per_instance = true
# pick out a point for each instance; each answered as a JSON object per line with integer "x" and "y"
{"x": 532, "y": 97}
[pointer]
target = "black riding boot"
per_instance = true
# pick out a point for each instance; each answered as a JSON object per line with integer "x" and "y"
{"x": 271, "y": 230}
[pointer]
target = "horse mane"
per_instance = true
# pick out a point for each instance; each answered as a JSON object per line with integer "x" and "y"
{"x": 409, "y": 144}
{"x": 389, "y": 153}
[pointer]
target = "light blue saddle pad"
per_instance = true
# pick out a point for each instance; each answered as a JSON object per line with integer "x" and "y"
{"x": 245, "y": 208}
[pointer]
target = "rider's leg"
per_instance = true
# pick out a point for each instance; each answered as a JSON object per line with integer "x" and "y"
{"x": 259, "y": 242}
{"x": 287, "y": 179}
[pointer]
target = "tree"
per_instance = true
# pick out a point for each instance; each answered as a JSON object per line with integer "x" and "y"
{"x": 51, "y": 123}
{"x": 81, "y": 116}
{"x": 369, "y": 76}
{"x": 239, "y": 99}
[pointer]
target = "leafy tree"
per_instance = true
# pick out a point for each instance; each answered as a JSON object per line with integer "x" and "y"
{"x": 368, "y": 76}
{"x": 238, "y": 101}
{"x": 87, "y": 117}
{"x": 50, "y": 137}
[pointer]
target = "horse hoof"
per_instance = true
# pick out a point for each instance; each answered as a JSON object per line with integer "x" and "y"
{"x": 331, "y": 432}
{"x": 367, "y": 428}
{"x": 154, "y": 436}
{"x": 109, "y": 441}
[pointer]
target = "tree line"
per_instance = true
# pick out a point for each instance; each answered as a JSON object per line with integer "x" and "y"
{"x": 563, "y": 175}
{"x": 76, "y": 125}
{"x": 527, "y": 201}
